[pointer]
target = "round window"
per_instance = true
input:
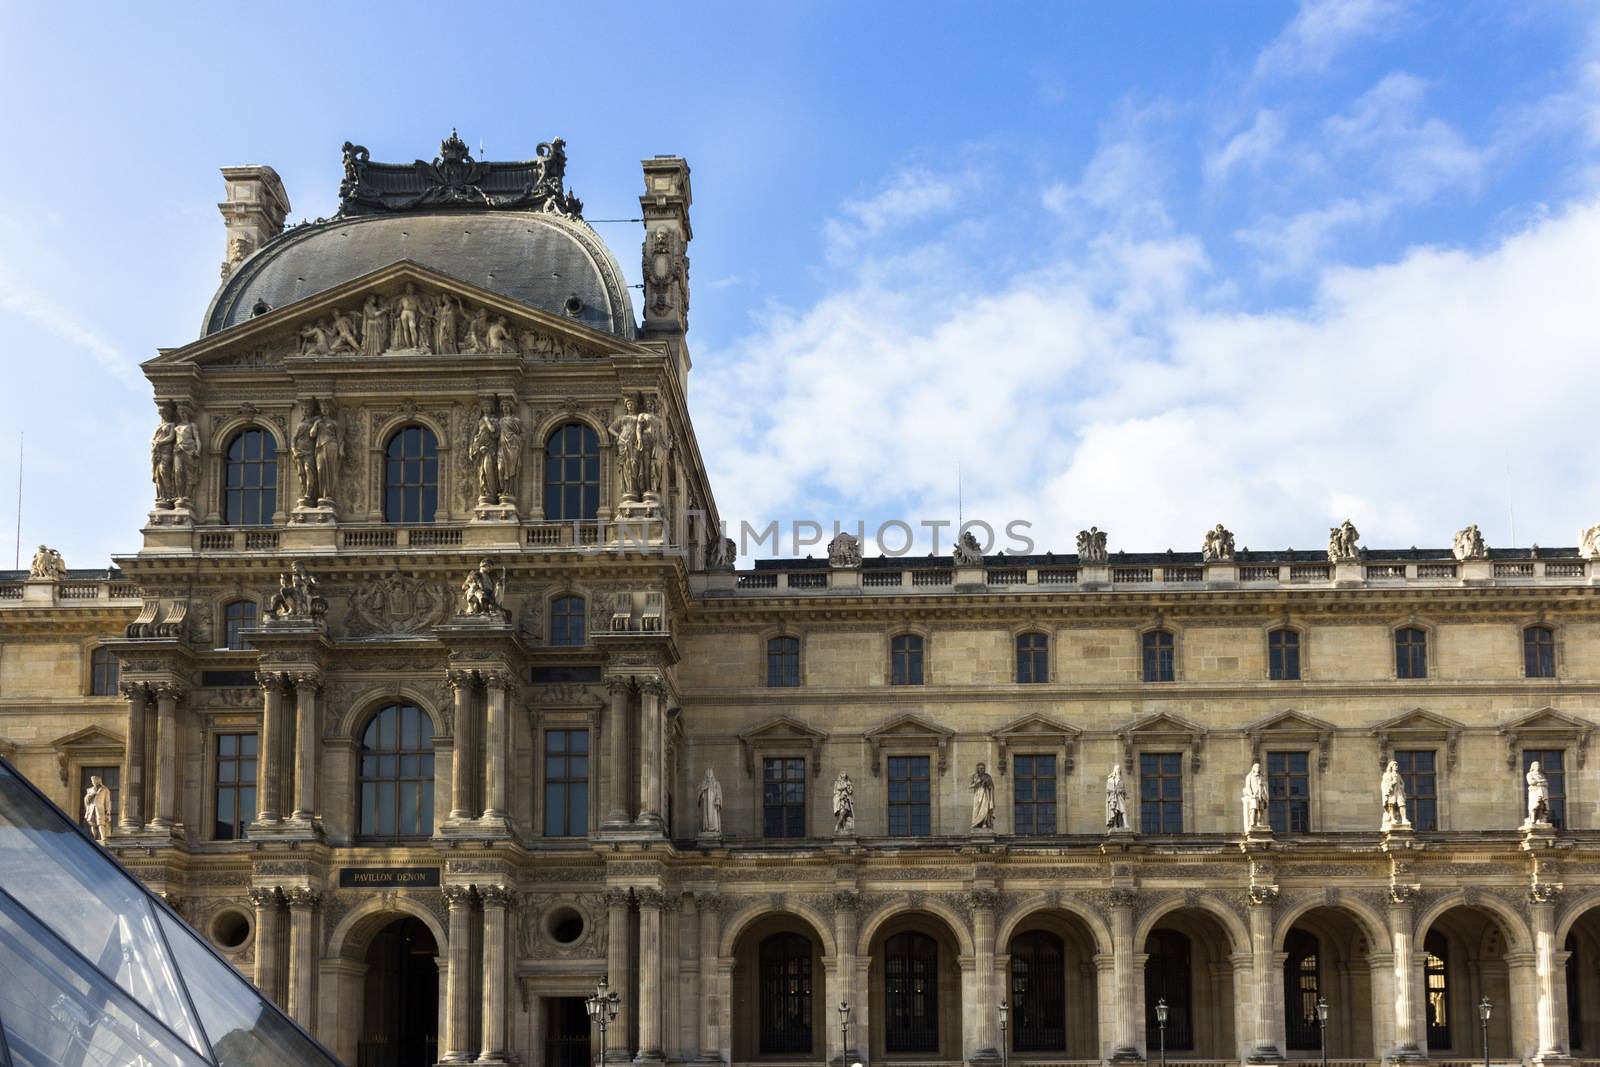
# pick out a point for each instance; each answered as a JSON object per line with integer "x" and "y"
{"x": 564, "y": 925}
{"x": 230, "y": 929}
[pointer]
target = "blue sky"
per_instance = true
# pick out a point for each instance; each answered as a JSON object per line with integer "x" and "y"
{"x": 1140, "y": 265}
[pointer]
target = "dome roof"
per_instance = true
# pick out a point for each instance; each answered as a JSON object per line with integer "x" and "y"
{"x": 538, "y": 258}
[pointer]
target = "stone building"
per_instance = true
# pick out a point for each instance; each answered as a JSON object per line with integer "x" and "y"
{"x": 429, "y": 700}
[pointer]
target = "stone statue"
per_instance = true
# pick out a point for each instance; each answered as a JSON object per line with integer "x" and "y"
{"x": 297, "y": 597}
{"x": 345, "y": 341}
{"x": 1589, "y": 543}
{"x": 1116, "y": 800}
{"x": 1092, "y": 545}
{"x": 97, "y": 809}
{"x": 1393, "y": 791}
{"x": 1254, "y": 797}
{"x": 1469, "y": 544}
{"x": 508, "y": 454}
{"x": 844, "y": 550}
{"x": 1218, "y": 545}
{"x": 665, "y": 272}
{"x": 446, "y": 312}
{"x": 374, "y": 326}
{"x": 239, "y": 248}
{"x": 477, "y": 341}
{"x": 185, "y": 456}
{"x": 303, "y": 447}
{"x": 484, "y": 590}
{"x": 638, "y": 436}
{"x": 721, "y": 554}
{"x": 1538, "y": 797}
{"x": 47, "y": 563}
{"x": 967, "y": 553}
{"x": 844, "y": 805}
{"x": 484, "y": 451}
{"x": 982, "y": 786}
{"x": 410, "y": 332}
{"x": 328, "y": 445}
{"x": 498, "y": 339}
{"x": 161, "y": 444}
{"x": 316, "y": 339}
{"x": 1342, "y": 547}
{"x": 710, "y": 804}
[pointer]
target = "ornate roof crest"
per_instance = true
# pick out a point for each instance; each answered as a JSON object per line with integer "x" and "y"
{"x": 455, "y": 180}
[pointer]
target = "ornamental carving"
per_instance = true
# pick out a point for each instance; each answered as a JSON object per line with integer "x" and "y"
{"x": 397, "y": 604}
{"x": 455, "y": 180}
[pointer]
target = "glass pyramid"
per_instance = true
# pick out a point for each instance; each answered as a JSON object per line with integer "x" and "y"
{"x": 95, "y": 971}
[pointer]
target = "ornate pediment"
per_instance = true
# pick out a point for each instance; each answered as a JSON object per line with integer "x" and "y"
{"x": 909, "y": 731}
{"x": 1416, "y": 726}
{"x": 1547, "y": 725}
{"x": 781, "y": 732}
{"x": 1037, "y": 730}
{"x": 91, "y": 744}
{"x": 1163, "y": 727}
{"x": 1292, "y": 726}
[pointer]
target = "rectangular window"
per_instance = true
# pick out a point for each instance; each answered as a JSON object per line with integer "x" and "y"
{"x": 1033, "y": 796}
{"x": 783, "y": 797}
{"x": 1161, "y": 792}
{"x": 1288, "y": 792}
{"x": 1033, "y": 658}
{"x": 1410, "y": 653}
{"x": 111, "y": 778}
{"x": 783, "y": 662}
{"x": 1417, "y": 770}
{"x": 1552, "y": 764}
{"x": 236, "y": 786}
{"x": 1539, "y": 652}
{"x": 905, "y": 660}
{"x": 910, "y": 797}
{"x": 1283, "y": 655}
{"x": 1159, "y": 664}
{"x": 566, "y": 783}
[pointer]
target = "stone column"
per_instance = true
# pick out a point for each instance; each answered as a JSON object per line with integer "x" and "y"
{"x": 1265, "y": 977}
{"x": 265, "y": 902}
{"x": 302, "y": 954}
{"x": 650, "y": 694}
{"x": 617, "y": 972}
{"x": 1550, "y": 979}
{"x": 306, "y": 740}
{"x": 650, "y": 904}
{"x": 1129, "y": 1006}
{"x": 710, "y": 905}
{"x": 617, "y": 727}
{"x": 692, "y": 976}
{"x": 461, "y": 760}
{"x": 984, "y": 903}
{"x": 496, "y": 902}
{"x": 131, "y": 818}
{"x": 1400, "y": 933}
{"x": 268, "y": 791}
{"x": 496, "y": 688}
{"x": 167, "y": 696}
{"x": 457, "y": 1041}
{"x": 846, "y": 909}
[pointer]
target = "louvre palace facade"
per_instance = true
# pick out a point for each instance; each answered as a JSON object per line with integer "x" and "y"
{"x": 427, "y": 697}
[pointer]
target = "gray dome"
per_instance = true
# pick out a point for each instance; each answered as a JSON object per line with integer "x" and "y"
{"x": 537, "y": 258}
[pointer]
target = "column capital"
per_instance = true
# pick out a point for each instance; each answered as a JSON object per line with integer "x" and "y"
{"x": 1124, "y": 898}
{"x": 653, "y": 686}
{"x": 169, "y": 691}
{"x": 264, "y": 896}
{"x": 984, "y": 899}
{"x": 135, "y": 691}
{"x": 709, "y": 900}
{"x": 457, "y": 896}
{"x": 650, "y": 898}
{"x": 497, "y": 679}
{"x": 1403, "y": 895}
{"x": 1264, "y": 895}
{"x": 1545, "y": 892}
{"x": 618, "y": 683}
{"x": 847, "y": 900}
{"x": 302, "y": 897}
{"x": 460, "y": 678}
{"x": 496, "y": 896}
{"x": 308, "y": 680}
{"x": 271, "y": 681}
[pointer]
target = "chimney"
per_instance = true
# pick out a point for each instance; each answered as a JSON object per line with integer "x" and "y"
{"x": 665, "y": 207}
{"x": 253, "y": 212}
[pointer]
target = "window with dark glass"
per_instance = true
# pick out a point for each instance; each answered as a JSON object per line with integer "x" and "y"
{"x": 1436, "y": 986}
{"x": 1283, "y": 655}
{"x": 103, "y": 673}
{"x": 566, "y": 783}
{"x": 250, "y": 479}
{"x": 1167, "y": 977}
{"x": 1410, "y": 653}
{"x": 1158, "y": 656}
{"x": 1418, "y": 771}
{"x": 783, "y": 662}
{"x": 905, "y": 660}
{"x": 236, "y": 786}
{"x": 1288, "y": 792}
{"x": 1033, "y": 794}
{"x": 396, "y": 786}
{"x": 111, "y": 778}
{"x": 910, "y": 797}
{"x": 569, "y": 620}
{"x": 1161, "y": 792}
{"x": 237, "y": 617}
{"x": 1033, "y": 658}
{"x": 1038, "y": 993}
{"x": 911, "y": 993}
{"x": 1301, "y": 987}
{"x": 411, "y": 475}
{"x": 1539, "y": 652}
{"x": 1552, "y": 764}
{"x": 572, "y": 474}
{"x": 783, "y": 797}
{"x": 785, "y": 994}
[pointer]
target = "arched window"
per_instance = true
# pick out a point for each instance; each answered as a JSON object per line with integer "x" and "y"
{"x": 1038, "y": 993}
{"x": 905, "y": 660}
{"x": 1033, "y": 658}
{"x": 1167, "y": 977}
{"x": 1158, "y": 656}
{"x": 785, "y": 994}
{"x": 250, "y": 479}
{"x": 1436, "y": 982}
{"x": 237, "y": 616}
{"x": 572, "y": 473}
{"x": 911, "y": 993}
{"x": 568, "y": 621}
{"x": 1539, "y": 652}
{"x": 1410, "y": 652}
{"x": 1301, "y": 987}
{"x": 783, "y": 662}
{"x": 397, "y": 773}
{"x": 1283, "y": 655}
{"x": 411, "y": 475}
{"x": 103, "y": 672}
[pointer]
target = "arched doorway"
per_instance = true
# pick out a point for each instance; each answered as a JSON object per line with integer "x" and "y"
{"x": 914, "y": 980}
{"x": 400, "y": 998}
{"x": 1327, "y": 955}
{"x": 1581, "y": 947}
{"x": 1188, "y": 963}
{"x": 1463, "y": 960}
{"x": 1051, "y": 987}
{"x": 780, "y": 1003}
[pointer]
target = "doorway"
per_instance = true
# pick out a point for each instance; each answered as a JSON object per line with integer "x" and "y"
{"x": 400, "y": 1020}
{"x": 566, "y": 1042}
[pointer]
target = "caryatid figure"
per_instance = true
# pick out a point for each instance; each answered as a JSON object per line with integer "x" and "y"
{"x": 508, "y": 454}
{"x": 484, "y": 452}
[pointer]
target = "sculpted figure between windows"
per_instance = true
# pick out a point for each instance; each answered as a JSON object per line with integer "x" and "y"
{"x": 1393, "y": 792}
{"x": 1254, "y": 798}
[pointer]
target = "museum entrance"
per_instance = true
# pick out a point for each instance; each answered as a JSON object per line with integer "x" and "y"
{"x": 566, "y": 1042}
{"x": 400, "y": 1016}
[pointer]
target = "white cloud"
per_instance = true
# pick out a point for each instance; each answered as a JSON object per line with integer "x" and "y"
{"x": 1321, "y": 30}
{"x": 26, "y": 302}
{"x": 1248, "y": 148}
{"x": 907, "y": 197}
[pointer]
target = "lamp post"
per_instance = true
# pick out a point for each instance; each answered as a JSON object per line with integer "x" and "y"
{"x": 1005, "y": 1010}
{"x": 602, "y": 1006}
{"x": 1322, "y": 1028}
{"x": 1485, "y": 1009}
{"x": 1161, "y": 1025}
{"x": 844, "y": 1032}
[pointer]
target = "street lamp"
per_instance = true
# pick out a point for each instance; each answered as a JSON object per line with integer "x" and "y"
{"x": 1005, "y": 1010}
{"x": 1322, "y": 1027}
{"x": 844, "y": 1032}
{"x": 1485, "y": 1009}
{"x": 1161, "y": 1024}
{"x": 602, "y": 1006}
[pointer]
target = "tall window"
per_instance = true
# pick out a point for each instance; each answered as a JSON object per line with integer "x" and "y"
{"x": 568, "y": 620}
{"x": 236, "y": 786}
{"x": 250, "y": 479}
{"x": 1158, "y": 659}
{"x": 111, "y": 778}
{"x": 783, "y": 662}
{"x": 1033, "y": 658}
{"x": 1436, "y": 983}
{"x": 411, "y": 475}
{"x": 785, "y": 994}
{"x": 1033, "y": 794}
{"x": 910, "y": 798}
{"x": 1283, "y": 655}
{"x": 1161, "y": 792}
{"x": 1167, "y": 977}
{"x": 1301, "y": 987}
{"x": 1288, "y": 792}
{"x": 1410, "y": 652}
{"x": 1552, "y": 764}
{"x": 566, "y": 783}
{"x": 911, "y": 993}
{"x": 572, "y": 474}
{"x": 237, "y": 617}
{"x": 1539, "y": 652}
{"x": 1038, "y": 993}
{"x": 1417, "y": 770}
{"x": 783, "y": 797}
{"x": 103, "y": 673}
{"x": 905, "y": 660}
{"x": 397, "y": 773}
